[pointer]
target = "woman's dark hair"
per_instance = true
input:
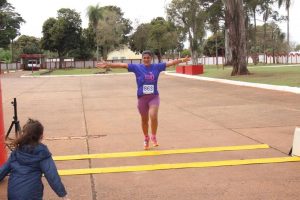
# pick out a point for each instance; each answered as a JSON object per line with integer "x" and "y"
{"x": 147, "y": 52}
{"x": 31, "y": 134}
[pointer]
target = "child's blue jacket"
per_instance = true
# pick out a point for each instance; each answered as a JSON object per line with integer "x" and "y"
{"x": 26, "y": 166}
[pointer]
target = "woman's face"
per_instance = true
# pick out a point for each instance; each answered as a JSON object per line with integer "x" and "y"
{"x": 147, "y": 59}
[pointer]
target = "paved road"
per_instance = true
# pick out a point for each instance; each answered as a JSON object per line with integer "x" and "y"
{"x": 98, "y": 114}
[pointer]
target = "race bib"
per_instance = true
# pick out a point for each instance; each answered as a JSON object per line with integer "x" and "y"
{"x": 148, "y": 89}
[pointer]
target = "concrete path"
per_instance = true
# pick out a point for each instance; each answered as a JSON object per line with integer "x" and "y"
{"x": 84, "y": 115}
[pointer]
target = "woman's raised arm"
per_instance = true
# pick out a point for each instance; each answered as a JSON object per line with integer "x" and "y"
{"x": 111, "y": 65}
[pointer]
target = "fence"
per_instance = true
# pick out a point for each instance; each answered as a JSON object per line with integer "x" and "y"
{"x": 293, "y": 59}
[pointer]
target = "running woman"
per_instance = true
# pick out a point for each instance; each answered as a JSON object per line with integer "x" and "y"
{"x": 147, "y": 92}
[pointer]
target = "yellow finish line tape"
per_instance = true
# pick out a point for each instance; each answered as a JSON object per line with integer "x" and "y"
{"x": 176, "y": 166}
{"x": 158, "y": 153}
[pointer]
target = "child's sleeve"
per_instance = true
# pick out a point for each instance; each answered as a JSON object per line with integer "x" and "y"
{"x": 50, "y": 171}
{"x": 5, "y": 169}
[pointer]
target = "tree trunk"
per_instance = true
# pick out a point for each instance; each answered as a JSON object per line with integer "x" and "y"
{"x": 159, "y": 56}
{"x": 264, "y": 43}
{"x": 97, "y": 53}
{"x": 193, "y": 50}
{"x": 234, "y": 11}
{"x": 273, "y": 53}
{"x": 255, "y": 52}
{"x": 273, "y": 47}
{"x": 217, "y": 62}
{"x": 288, "y": 34}
{"x": 61, "y": 60}
{"x": 11, "y": 52}
{"x": 228, "y": 50}
{"x": 194, "y": 57}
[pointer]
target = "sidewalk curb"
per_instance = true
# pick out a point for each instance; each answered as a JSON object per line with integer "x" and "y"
{"x": 290, "y": 89}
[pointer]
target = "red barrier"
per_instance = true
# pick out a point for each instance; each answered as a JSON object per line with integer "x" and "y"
{"x": 180, "y": 69}
{"x": 3, "y": 154}
{"x": 194, "y": 69}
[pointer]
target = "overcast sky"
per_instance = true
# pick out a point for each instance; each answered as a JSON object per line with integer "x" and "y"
{"x": 36, "y": 12}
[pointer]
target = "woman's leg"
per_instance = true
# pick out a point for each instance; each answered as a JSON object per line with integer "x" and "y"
{"x": 153, "y": 112}
{"x": 144, "y": 112}
{"x": 145, "y": 126}
{"x": 145, "y": 120}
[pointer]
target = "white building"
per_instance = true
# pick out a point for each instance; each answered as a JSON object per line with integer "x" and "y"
{"x": 123, "y": 54}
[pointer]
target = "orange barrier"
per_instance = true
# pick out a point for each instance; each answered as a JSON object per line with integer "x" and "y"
{"x": 3, "y": 153}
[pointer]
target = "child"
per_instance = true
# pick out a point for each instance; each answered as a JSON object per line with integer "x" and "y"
{"x": 26, "y": 164}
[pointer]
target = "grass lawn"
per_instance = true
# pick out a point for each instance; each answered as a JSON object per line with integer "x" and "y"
{"x": 77, "y": 71}
{"x": 83, "y": 71}
{"x": 281, "y": 75}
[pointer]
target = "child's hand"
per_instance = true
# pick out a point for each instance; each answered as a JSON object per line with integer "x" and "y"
{"x": 102, "y": 64}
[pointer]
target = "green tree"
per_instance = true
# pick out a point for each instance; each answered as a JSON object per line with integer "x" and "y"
{"x": 112, "y": 30}
{"x": 210, "y": 47}
{"x": 252, "y": 8}
{"x": 268, "y": 41}
{"x": 297, "y": 47}
{"x": 139, "y": 40}
{"x": 185, "y": 52}
{"x": 190, "y": 16}
{"x": 215, "y": 16}
{"x": 274, "y": 41}
{"x": 268, "y": 13}
{"x": 5, "y": 55}
{"x": 159, "y": 35}
{"x": 63, "y": 33}
{"x": 94, "y": 14}
{"x": 277, "y": 39}
{"x": 86, "y": 45}
{"x": 10, "y": 22}
{"x": 28, "y": 44}
{"x": 163, "y": 37}
{"x": 287, "y": 7}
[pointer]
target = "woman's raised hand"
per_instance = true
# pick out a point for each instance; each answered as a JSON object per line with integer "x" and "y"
{"x": 186, "y": 59}
{"x": 102, "y": 64}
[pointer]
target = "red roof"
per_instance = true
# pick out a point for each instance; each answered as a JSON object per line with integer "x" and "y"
{"x": 32, "y": 55}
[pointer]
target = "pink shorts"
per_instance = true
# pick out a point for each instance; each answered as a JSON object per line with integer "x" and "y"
{"x": 145, "y": 101}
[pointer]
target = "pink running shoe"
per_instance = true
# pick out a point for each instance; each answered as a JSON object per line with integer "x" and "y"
{"x": 146, "y": 143}
{"x": 154, "y": 141}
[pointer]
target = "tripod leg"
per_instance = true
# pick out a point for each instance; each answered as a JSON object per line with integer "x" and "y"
{"x": 18, "y": 129}
{"x": 290, "y": 153}
{"x": 9, "y": 130}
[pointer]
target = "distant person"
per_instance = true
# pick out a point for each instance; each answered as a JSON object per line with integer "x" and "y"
{"x": 147, "y": 90}
{"x": 29, "y": 160}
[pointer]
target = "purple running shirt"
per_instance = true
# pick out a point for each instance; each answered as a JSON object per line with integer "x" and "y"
{"x": 147, "y": 77}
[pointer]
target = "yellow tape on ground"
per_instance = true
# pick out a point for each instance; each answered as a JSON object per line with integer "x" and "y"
{"x": 176, "y": 166}
{"x": 162, "y": 152}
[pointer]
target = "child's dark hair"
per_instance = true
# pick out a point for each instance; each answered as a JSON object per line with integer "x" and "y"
{"x": 31, "y": 134}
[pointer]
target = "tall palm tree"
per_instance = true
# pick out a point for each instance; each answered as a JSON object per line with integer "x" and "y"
{"x": 287, "y": 7}
{"x": 266, "y": 7}
{"x": 253, "y": 6}
{"x": 94, "y": 14}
